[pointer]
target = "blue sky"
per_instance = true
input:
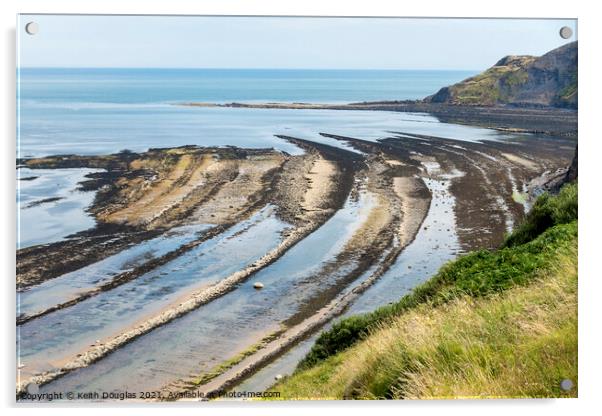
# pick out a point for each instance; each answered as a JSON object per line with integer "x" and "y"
{"x": 242, "y": 42}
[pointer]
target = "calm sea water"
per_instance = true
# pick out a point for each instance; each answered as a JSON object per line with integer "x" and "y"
{"x": 101, "y": 111}
{"x": 100, "y": 85}
{"x": 92, "y": 111}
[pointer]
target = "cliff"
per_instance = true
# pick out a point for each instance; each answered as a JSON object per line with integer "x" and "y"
{"x": 526, "y": 81}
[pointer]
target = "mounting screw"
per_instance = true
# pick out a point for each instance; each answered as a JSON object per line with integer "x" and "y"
{"x": 566, "y": 32}
{"x": 32, "y": 28}
{"x": 566, "y": 384}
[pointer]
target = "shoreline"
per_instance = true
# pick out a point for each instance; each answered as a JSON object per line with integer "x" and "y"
{"x": 484, "y": 165}
{"x": 537, "y": 120}
{"x": 312, "y": 213}
{"x": 407, "y": 224}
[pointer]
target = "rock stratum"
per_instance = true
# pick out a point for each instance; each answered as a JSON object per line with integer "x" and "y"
{"x": 143, "y": 196}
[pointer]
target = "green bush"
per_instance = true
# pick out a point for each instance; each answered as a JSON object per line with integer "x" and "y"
{"x": 546, "y": 212}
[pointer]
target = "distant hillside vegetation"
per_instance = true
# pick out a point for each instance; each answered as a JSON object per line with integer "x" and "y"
{"x": 549, "y": 80}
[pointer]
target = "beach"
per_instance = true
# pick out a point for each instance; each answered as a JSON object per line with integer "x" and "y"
{"x": 220, "y": 255}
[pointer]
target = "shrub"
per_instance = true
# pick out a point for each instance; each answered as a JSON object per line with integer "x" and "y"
{"x": 546, "y": 212}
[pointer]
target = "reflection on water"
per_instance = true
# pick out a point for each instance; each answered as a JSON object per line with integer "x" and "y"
{"x": 228, "y": 325}
{"x": 436, "y": 243}
{"x": 67, "y": 331}
{"x": 50, "y": 208}
{"x": 138, "y": 128}
{"x": 104, "y": 110}
{"x": 67, "y": 286}
{"x": 49, "y": 205}
{"x": 282, "y": 366}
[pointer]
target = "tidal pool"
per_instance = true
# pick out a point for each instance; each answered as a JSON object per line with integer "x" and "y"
{"x": 435, "y": 244}
{"x": 46, "y": 341}
{"x": 230, "y": 324}
{"x": 50, "y": 206}
{"x": 69, "y": 285}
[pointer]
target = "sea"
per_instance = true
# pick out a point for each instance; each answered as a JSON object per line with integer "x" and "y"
{"x": 104, "y": 110}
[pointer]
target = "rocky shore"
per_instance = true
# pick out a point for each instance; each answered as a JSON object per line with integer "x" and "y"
{"x": 141, "y": 195}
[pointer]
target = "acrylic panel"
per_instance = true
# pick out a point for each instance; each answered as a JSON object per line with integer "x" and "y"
{"x": 285, "y": 208}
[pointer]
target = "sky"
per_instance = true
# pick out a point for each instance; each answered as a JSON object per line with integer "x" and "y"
{"x": 286, "y": 42}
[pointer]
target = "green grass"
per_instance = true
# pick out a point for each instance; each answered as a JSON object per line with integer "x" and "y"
{"x": 477, "y": 274}
{"x": 547, "y": 211}
{"x": 493, "y": 86}
{"x": 521, "y": 342}
{"x": 568, "y": 95}
{"x": 531, "y": 253}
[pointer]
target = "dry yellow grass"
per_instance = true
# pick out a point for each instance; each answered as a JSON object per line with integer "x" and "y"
{"x": 518, "y": 343}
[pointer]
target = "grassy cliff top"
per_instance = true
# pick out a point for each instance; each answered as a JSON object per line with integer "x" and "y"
{"x": 490, "y": 324}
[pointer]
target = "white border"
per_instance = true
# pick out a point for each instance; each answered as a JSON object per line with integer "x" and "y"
{"x": 590, "y": 288}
